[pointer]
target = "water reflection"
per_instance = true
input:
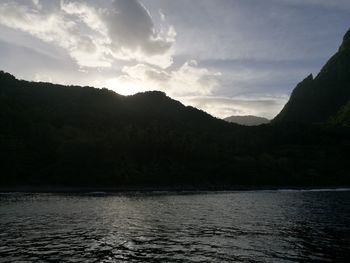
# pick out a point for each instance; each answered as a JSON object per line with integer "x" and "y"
{"x": 222, "y": 227}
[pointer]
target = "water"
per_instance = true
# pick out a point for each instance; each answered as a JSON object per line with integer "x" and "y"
{"x": 256, "y": 226}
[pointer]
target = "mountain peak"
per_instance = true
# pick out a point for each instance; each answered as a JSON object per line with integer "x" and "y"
{"x": 317, "y": 99}
{"x": 5, "y": 75}
{"x": 346, "y": 41}
{"x": 309, "y": 78}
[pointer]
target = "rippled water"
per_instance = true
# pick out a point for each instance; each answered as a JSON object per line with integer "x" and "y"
{"x": 257, "y": 226}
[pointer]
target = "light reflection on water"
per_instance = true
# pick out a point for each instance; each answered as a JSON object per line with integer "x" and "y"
{"x": 256, "y": 226}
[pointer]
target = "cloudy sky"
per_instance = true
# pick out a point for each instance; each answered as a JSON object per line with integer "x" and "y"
{"x": 227, "y": 57}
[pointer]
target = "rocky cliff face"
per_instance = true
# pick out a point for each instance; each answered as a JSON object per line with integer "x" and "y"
{"x": 317, "y": 99}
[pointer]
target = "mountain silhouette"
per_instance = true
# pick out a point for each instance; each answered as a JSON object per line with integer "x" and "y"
{"x": 98, "y": 105}
{"x": 318, "y": 99}
{"x": 71, "y": 135}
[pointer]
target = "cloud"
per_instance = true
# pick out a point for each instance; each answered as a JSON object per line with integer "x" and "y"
{"x": 128, "y": 29}
{"x": 186, "y": 80}
{"x": 195, "y": 86}
{"x": 258, "y": 105}
{"x": 54, "y": 28}
{"x": 140, "y": 38}
{"x": 95, "y": 36}
{"x": 37, "y": 4}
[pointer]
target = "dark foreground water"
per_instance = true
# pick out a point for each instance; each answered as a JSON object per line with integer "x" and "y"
{"x": 256, "y": 226}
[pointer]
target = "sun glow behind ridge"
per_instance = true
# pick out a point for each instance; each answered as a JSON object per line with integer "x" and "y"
{"x": 122, "y": 87}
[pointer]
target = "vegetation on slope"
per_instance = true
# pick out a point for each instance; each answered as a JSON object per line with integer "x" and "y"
{"x": 81, "y": 136}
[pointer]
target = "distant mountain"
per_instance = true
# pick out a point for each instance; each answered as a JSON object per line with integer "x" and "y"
{"x": 248, "y": 120}
{"x": 317, "y": 99}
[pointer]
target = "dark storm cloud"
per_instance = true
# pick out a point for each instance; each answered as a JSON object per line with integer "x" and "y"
{"x": 130, "y": 25}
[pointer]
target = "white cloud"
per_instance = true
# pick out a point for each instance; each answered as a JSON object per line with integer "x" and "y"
{"x": 194, "y": 86}
{"x": 55, "y": 28}
{"x": 127, "y": 31}
{"x": 257, "y": 105}
{"x": 95, "y": 37}
{"x": 187, "y": 80}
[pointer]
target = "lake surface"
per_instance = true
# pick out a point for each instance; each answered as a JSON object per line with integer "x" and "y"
{"x": 251, "y": 226}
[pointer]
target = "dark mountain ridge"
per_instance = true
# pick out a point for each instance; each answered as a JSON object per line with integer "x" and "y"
{"x": 318, "y": 99}
{"x": 54, "y": 134}
{"x": 102, "y": 104}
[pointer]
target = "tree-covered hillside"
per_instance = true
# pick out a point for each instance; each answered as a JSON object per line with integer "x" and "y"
{"x": 82, "y": 136}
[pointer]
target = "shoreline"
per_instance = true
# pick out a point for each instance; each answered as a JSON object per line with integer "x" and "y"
{"x": 179, "y": 189}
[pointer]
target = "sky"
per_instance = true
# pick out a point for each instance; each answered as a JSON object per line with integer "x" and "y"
{"x": 227, "y": 57}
